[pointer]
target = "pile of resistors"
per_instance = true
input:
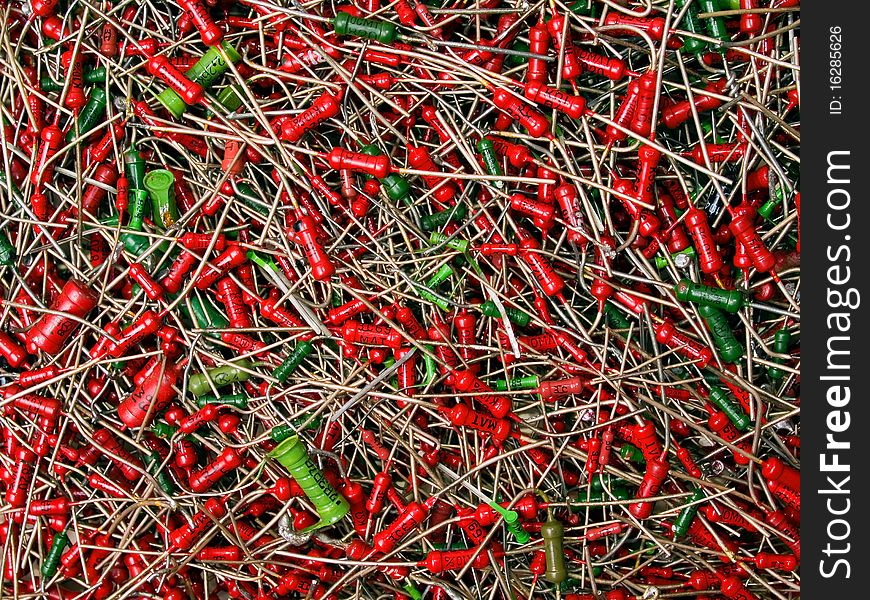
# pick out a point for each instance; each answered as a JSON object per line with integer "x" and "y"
{"x": 491, "y": 299}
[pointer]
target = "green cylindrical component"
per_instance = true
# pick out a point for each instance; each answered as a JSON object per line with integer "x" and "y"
{"x": 239, "y": 401}
{"x": 456, "y": 244}
{"x": 279, "y": 433}
{"x": 292, "y": 362}
{"x": 529, "y": 382}
{"x": 205, "y": 72}
{"x": 247, "y": 196}
{"x": 781, "y": 341}
{"x": 516, "y": 316}
{"x": 413, "y": 592}
{"x": 380, "y": 31}
{"x": 441, "y": 218}
{"x": 516, "y": 60}
{"x": 631, "y": 453}
{"x": 396, "y": 187}
{"x": 90, "y": 115}
{"x": 52, "y": 557}
{"x": 598, "y": 482}
{"x": 728, "y": 300}
{"x": 330, "y": 505}
{"x": 512, "y": 522}
{"x": 731, "y": 409}
{"x": 586, "y": 8}
{"x": 134, "y": 167}
{"x": 615, "y": 318}
{"x": 729, "y": 348}
{"x": 440, "y": 276}
{"x": 687, "y": 515}
{"x": 229, "y": 98}
{"x": 219, "y": 376}
{"x": 206, "y": 315}
{"x": 162, "y": 429}
{"x": 160, "y": 184}
{"x": 137, "y": 204}
{"x": 152, "y": 463}
{"x": 95, "y": 75}
{"x": 429, "y": 363}
{"x": 662, "y": 262}
{"x": 490, "y": 159}
{"x": 766, "y": 209}
{"x": 691, "y": 23}
{"x": 715, "y": 25}
{"x": 554, "y": 552}
{"x": 7, "y": 251}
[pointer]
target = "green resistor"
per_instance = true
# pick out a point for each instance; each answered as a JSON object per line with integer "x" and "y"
{"x": 687, "y": 515}
{"x": 529, "y": 382}
{"x": 715, "y": 25}
{"x": 413, "y": 592}
{"x": 330, "y": 505}
{"x": 728, "y": 300}
{"x": 730, "y": 350}
{"x": 691, "y": 23}
{"x": 152, "y": 463}
{"x": 512, "y": 522}
{"x": 239, "y": 401}
{"x": 437, "y": 238}
{"x": 384, "y": 32}
{"x": 90, "y": 115}
{"x": 614, "y": 316}
{"x": 440, "y": 276}
{"x": 781, "y": 341}
{"x": 52, "y": 557}
{"x": 206, "y": 315}
{"x": 516, "y": 316}
{"x": 631, "y": 453}
{"x": 439, "y": 219}
{"x": 731, "y": 409}
{"x": 219, "y": 376}
{"x": 490, "y": 161}
{"x": 279, "y": 433}
{"x": 766, "y": 209}
{"x": 164, "y": 430}
{"x": 292, "y": 362}
{"x": 553, "y": 533}
{"x": 160, "y": 184}
{"x": 517, "y": 60}
{"x": 429, "y": 363}
{"x": 662, "y": 262}
{"x": 7, "y": 251}
{"x": 134, "y": 167}
{"x": 205, "y": 72}
{"x": 395, "y": 187}
{"x": 230, "y": 98}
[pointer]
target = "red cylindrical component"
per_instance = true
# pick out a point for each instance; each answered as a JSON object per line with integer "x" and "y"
{"x": 732, "y": 587}
{"x": 439, "y": 561}
{"x": 13, "y": 352}
{"x": 623, "y": 117}
{"x": 775, "y": 469}
{"x": 414, "y": 515}
{"x": 203, "y": 479}
{"x": 744, "y": 232}
{"x": 419, "y": 158}
{"x": 94, "y": 194}
{"x": 173, "y": 280}
{"x": 667, "y": 334}
{"x": 146, "y": 324}
{"x": 72, "y": 64}
{"x": 382, "y": 483}
{"x": 230, "y": 295}
{"x": 462, "y": 416}
{"x": 551, "y": 282}
{"x": 543, "y": 215}
{"x": 50, "y": 331}
{"x": 654, "y": 476}
{"x": 535, "y": 123}
{"x": 467, "y": 382}
{"x": 539, "y": 43}
{"x": 52, "y": 139}
{"x": 211, "y": 34}
{"x": 708, "y": 256}
{"x": 642, "y": 119}
{"x": 405, "y": 317}
{"x": 554, "y": 390}
{"x": 152, "y": 289}
{"x": 612, "y": 68}
{"x": 571, "y": 66}
{"x": 779, "y": 562}
{"x": 324, "y": 107}
{"x": 573, "y": 106}
{"x": 371, "y": 335}
{"x": 652, "y": 26}
{"x": 644, "y": 437}
{"x": 678, "y": 113}
{"x": 160, "y": 67}
{"x": 149, "y": 397}
{"x": 376, "y": 166}
{"x": 231, "y": 258}
{"x": 18, "y": 489}
{"x": 130, "y": 466}
{"x": 721, "y": 425}
{"x": 185, "y": 536}
{"x": 305, "y": 232}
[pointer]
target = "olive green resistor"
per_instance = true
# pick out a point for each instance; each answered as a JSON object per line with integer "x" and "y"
{"x": 7, "y": 251}
{"x": 490, "y": 161}
{"x": 732, "y": 410}
{"x": 781, "y": 341}
{"x": 292, "y": 362}
{"x": 730, "y": 350}
{"x": 90, "y": 115}
{"x": 730, "y": 301}
{"x": 691, "y": 23}
{"x": 553, "y": 534}
{"x": 160, "y": 184}
{"x": 614, "y": 316}
{"x": 52, "y": 557}
{"x": 715, "y": 25}
{"x": 515, "y": 315}
{"x": 329, "y": 504}
{"x": 219, "y": 376}
{"x": 439, "y": 219}
{"x": 687, "y": 515}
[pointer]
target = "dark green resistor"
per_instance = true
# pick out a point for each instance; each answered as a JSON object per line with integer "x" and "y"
{"x": 614, "y": 316}
{"x": 292, "y": 362}
{"x": 441, "y": 218}
{"x": 206, "y": 315}
{"x": 781, "y": 341}
{"x": 516, "y": 316}
{"x": 728, "y": 300}
{"x": 687, "y": 515}
{"x": 219, "y": 376}
{"x": 691, "y": 23}
{"x": 134, "y": 167}
{"x": 490, "y": 160}
{"x": 732, "y": 410}
{"x": 553, "y": 534}
{"x": 384, "y": 32}
{"x": 152, "y": 463}
{"x": 239, "y": 401}
{"x": 715, "y": 25}
{"x": 52, "y": 557}
{"x": 7, "y": 251}
{"x": 730, "y": 350}
{"x": 279, "y": 433}
{"x": 90, "y": 115}
{"x": 766, "y": 209}
{"x": 164, "y": 430}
